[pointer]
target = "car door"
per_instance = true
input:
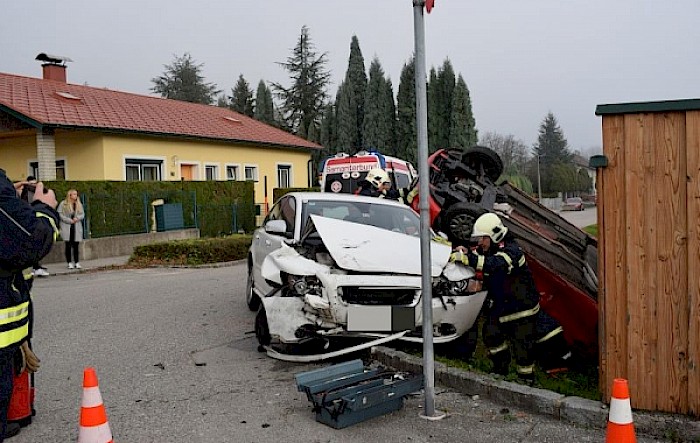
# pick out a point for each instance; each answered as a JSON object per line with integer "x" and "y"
{"x": 265, "y": 242}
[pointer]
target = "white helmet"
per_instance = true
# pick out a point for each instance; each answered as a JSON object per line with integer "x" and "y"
{"x": 377, "y": 176}
{"x": 489, "y": 225}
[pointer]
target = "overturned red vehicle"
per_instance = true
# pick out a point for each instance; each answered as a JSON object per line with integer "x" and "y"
{"x": 562, "y": 257}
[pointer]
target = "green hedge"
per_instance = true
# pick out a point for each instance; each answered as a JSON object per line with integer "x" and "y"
{"x": 116, "y": 208}
{"x": 193, "y": 251}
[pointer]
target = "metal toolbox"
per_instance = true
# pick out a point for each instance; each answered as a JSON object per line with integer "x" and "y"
{"x": 347, "y": 393}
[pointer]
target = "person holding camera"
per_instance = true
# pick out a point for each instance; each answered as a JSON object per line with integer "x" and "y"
{"x": 27, "y": 195}
{"x": 72, "y": 214}
{"x": 27, "y": 232}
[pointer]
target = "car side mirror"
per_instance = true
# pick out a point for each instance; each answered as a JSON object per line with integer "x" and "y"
{"x": 276, "y": 227}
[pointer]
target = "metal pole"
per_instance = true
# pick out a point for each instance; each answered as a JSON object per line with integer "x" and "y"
{"x": 539, "y": 183}
{"x": 423, "y": 172}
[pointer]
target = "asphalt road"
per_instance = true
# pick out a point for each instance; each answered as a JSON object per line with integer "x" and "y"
{"x": 177, "y": 362}
{"x": 588, "y": 216}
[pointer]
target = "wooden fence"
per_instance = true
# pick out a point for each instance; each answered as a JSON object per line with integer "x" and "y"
{"x": 649, "y": 253}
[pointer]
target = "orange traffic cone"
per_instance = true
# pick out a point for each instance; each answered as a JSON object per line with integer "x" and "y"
{"x": 94, "y": 427}
{"x": 620, "y": 426}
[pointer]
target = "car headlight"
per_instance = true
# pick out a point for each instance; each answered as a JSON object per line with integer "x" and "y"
{"x": 300, "y": 285}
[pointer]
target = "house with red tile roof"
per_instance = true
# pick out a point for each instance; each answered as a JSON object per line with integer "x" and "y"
{"x": 52, "y": 129}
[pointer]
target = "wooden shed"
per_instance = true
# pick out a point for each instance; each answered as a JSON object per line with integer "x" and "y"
{"x": 649, "y": 252}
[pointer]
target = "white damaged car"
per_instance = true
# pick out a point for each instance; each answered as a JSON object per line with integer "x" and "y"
{"x": 327, "y": 267}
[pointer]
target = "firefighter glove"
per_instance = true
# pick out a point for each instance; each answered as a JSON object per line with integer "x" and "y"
{"x": 30, "y": 358}
{"x": 460, "y": 257}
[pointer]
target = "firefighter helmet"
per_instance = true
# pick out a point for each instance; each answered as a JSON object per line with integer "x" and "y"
{"x": 377, "y": 176}
{"x": 489, "y": 225}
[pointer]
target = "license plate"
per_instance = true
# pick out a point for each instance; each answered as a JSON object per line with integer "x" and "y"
{"x": 381, "y": 318}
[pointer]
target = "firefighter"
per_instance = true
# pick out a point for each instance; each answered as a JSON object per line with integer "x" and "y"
{"x": 375, "y": 184}
{"x": 512, "y": 306}
{"x": 27, "y": 232}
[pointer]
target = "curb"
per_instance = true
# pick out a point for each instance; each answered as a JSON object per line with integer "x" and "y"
{"x": 576, "y": 410}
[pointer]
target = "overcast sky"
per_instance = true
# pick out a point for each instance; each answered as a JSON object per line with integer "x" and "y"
{"x": 520, "y": 59}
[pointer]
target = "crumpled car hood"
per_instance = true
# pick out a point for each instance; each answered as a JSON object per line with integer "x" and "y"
{"x": 362, "y": 248}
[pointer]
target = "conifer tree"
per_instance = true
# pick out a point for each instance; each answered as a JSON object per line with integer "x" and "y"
{"x": 463, "y": 133}
{"x": 356, "y": 80}
{"x": 303, "y": 101}
{"x": 264, "y": 106}
{"x": 440, "y": 90}
{"x": 379, "y": 117}
{"x": 346, "y": 119}
{"x": 552, "y": 151}
{"x": 241, "y": 99}
{"x": 406, "y": 132}
{"x": 183, "y": 80}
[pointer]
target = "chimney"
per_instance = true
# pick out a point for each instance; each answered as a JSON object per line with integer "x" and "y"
{"x": 54, "y": 66}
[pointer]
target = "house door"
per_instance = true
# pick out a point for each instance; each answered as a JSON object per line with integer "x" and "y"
{"x": 187, "y": 172}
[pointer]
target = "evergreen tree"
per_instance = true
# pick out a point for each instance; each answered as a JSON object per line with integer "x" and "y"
{"x": 182, "y": 80}
{"x": 463, "y": 133}
{"x": 433, "y": 96}
{"x": 222, "y": 101}
{"x": 303, "y": 101}
{"x": 356, "y": 80}
{"x": 242, "y": 97}
{"x": 390, "y": 113}
{"x": 327, "y": 137}
{"x": 264, "y": 107}
{"x": 346, "y": 119}
{"x": 440, "y": 91}
{"x": 552, "y": 152}
{"x": 379, "y": 111}
{"x": 406, "y": 131}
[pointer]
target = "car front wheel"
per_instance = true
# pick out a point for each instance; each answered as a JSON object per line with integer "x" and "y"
{"x": 251, "y": 298}
{"x": 262, "y": 330}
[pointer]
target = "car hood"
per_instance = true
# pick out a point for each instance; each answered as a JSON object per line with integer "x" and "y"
{"x": 363, "y": 248}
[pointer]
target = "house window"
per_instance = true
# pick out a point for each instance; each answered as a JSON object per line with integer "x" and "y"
{"x": 60, "y": 169}
{"x": 284, "y": 176}
{"x": 211, "y": 172}
{"x": 251, "y": 173}
{"x": 143, "y": 170}
{"x": 232, "y": 173}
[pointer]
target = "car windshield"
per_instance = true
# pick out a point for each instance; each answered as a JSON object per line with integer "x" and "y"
{"x": 389, "y": 217}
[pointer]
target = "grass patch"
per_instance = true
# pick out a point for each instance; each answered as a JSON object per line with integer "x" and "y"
{"x": 591, "y": 230}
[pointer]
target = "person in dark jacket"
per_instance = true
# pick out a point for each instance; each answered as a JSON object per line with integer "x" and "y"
{"x": 27, "y": 232}
{"x": 512, "y": 306}
{"x": 375, "y": 184}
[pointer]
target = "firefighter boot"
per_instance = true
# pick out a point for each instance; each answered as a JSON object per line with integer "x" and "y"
{"x": 500, "y": 360}
{"x": 11, "y": 430}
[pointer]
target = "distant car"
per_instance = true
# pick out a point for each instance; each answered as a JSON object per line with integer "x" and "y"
{"x": 330, "y": 266}
{"x": 573, "y": 204}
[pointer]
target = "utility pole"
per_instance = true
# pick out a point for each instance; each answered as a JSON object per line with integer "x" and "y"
{"x": 424, "y": 173}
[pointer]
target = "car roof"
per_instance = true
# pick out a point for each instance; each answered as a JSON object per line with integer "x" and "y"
{"x": 330, "y": 196}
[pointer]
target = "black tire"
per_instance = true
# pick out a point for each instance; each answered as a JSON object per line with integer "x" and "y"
{"x": 458, "y": 221}
{"x": 262, "y": 330}
{"x": 463, "y": 347}
{"x": 251, "y": 298}
{"x": 482, "y": 158}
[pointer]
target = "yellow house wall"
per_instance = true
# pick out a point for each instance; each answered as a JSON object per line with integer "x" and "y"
{"x": 81, "y": 152}
{"x": 174, "y": 153}
{"x": 14, "y": 155}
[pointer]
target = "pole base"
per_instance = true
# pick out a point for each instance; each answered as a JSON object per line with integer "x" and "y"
{"x": 438, "y": 415}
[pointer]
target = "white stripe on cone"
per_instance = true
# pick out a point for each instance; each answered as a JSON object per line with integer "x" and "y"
{"x": 620, "y": 411}
{"x": 91, "y": 397}
{"x": 95, "y": 434}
